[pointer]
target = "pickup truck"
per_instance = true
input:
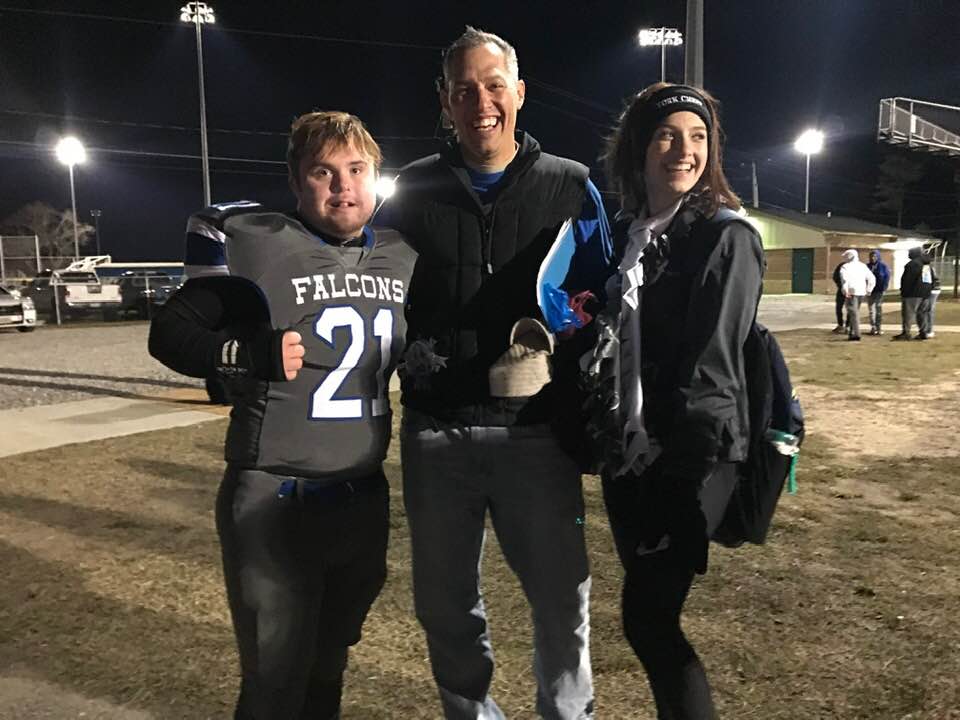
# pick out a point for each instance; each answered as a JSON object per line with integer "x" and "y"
{"x": 79, "y": 293}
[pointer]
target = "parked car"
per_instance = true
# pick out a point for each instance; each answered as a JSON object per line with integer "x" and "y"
{"x": 16, "y": 311}
{"x": 142, "y": 290}
{"x": 80, "y": 292}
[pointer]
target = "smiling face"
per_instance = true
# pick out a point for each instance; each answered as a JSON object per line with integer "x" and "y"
{"x": 335, "y": 190}
{"x": 481, "y": 98}
{"x": 675, "y": 160}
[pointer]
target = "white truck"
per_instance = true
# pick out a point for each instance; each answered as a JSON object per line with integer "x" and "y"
{"x": 75, "y": 290}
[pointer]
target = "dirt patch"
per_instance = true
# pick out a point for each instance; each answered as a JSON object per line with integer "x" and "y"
{"x": 886, "y": 423}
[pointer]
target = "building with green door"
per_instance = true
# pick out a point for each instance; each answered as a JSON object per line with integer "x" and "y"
{"x": 802, "y": 249}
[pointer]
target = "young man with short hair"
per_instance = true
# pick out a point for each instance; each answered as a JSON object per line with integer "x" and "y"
{"x": 304, "y": 313}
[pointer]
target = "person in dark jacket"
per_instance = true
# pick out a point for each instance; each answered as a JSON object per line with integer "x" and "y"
{"x": 483, "y": 214}
{"x": 683, "y": 302}
{"x": 840, "y": 301}
{"x": 875, "y": 299}
{"x": 928, "y": 279}
{"x": 912, "y": 293}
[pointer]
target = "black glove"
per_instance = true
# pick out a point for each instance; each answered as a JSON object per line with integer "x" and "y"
{"x": 251, "y": 353}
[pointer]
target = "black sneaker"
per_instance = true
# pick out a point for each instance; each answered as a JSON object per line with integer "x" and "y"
{"x": 901, "y": 336}
{"x": 854, "y": 337}
{"x": 921, "y": 336}
{"x": 839, "y": 329}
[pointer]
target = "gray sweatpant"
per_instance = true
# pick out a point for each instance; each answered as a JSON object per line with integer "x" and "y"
{"x": 909, "y": 306}
{"x": 853, "y": 315}
{"x": 301, "y": 571}
{"x": 453, "y": 476}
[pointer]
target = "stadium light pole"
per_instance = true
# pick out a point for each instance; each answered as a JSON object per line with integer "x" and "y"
{"x": 199, "y": 13}
{"x": 651, "y": 37}
{"x": 809, "y": 143}
{"x": 95, "y": 214}
{"x": 70, "y": 152}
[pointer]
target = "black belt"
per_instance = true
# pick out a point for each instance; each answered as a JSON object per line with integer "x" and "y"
{"x": 309, "y": 491}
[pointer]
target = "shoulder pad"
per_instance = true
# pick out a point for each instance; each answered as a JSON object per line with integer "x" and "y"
{"x": 204, "y": 253}
{"x": 217, "y": 215}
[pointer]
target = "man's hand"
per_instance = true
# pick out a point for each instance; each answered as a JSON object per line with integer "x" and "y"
{"x": 292, "y": 352}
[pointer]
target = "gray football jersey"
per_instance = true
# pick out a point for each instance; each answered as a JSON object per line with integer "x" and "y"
{"x": 334, "y": 419}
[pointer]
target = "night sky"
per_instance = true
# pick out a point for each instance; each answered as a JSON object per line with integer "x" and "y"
{"x": 124, "y": 80}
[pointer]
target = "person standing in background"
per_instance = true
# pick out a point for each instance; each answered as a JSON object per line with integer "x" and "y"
{"x": 881, "y": 274}
{"x": 928, "y": 277}
{"x": 911, "y": 293}
{"x": 839, "y": 301}
{"x": 857, "y": 282}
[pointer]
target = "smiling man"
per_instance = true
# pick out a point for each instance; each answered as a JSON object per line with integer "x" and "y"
{"x": 303, "y": 312}
{"x": 483, "y": 214}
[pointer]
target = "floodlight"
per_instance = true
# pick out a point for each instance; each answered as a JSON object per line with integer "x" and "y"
{"x": 70, "y": 151}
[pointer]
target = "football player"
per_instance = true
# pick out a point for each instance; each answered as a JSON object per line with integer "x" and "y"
{"x": 303, "y": 312}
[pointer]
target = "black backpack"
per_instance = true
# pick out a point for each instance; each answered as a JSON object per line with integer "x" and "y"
{"x": 776, "y": 422}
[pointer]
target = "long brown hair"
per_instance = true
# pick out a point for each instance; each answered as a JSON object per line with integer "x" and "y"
{"x": 626, "y": 153}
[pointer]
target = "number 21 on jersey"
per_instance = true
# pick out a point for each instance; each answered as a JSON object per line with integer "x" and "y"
{"x": 323, "y": 405}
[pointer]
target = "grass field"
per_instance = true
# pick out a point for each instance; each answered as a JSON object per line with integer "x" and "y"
{"x": 112, "y": 589}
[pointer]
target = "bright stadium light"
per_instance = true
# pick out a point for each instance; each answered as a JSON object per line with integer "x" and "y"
{"x": 386, "y": 186}
{"x": 662, "y": 37}
{"x": 199, "y": 13}
{"x": 70, "y": 152}
{"x": 809, "y": 143}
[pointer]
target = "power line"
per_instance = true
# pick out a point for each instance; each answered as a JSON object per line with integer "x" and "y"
{"x": 174, "y": 156}
{"x": 302, "y": 36}
{"x": 179, "y": 128}
{"x": 569, "y": 95}
{"x": 568, "y": 113}
{"x": 219, "y": 28}
{"x": 820, "y": 176}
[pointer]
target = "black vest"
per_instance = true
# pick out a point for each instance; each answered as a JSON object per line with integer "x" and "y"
{"x": 477, "y": 270}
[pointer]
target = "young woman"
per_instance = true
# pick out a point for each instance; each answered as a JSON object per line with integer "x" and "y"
{"x": 671, "y": 351}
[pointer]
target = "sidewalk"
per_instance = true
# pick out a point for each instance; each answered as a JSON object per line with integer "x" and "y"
{"x": 80, "y": 421}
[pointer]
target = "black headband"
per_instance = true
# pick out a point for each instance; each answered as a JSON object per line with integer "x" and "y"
{"x": 666, "y": 101}
{"x": 678, "y": 98}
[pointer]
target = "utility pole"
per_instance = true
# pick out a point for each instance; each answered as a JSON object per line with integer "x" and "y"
{"x": 693, "y": 53}
{"x": 756, "y": 190}
{"x": 95, "y": 214}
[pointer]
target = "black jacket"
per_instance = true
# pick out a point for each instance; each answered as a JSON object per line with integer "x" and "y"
{"x": 911, "y": 282}
{"x": 695, "y": 318}
{"x": 476, "y": 272}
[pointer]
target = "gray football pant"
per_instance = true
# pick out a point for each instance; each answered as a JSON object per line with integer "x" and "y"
{"x": 453, "y": 475}
{"x": 853, "y": 315}
{"x": 301, "y": 576}
{"x": 909, "y": 307}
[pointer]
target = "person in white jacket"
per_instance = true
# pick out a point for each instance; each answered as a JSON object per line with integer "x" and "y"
{"x": 856, "y": 281}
